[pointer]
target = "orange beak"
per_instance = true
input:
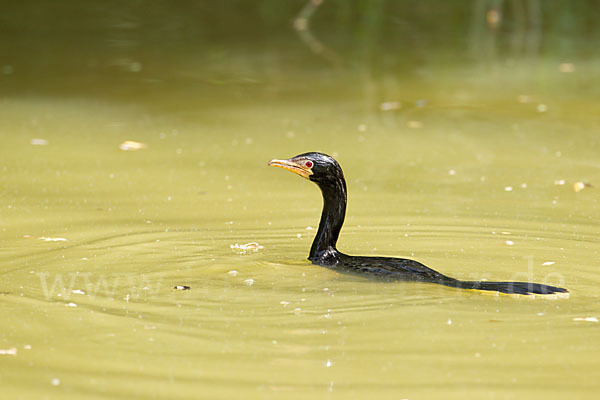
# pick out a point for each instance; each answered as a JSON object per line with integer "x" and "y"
{"x": 292, "y": 166}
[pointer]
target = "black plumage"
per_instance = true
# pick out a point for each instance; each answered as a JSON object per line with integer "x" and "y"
{"x": 327, "y": 174}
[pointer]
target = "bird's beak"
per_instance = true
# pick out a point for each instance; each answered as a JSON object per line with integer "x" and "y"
{"x": 292, "y": 166}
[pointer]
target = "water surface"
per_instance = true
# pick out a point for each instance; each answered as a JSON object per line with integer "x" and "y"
{"x": 468, "y": 168}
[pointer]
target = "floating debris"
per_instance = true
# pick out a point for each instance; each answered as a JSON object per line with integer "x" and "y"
{"x": 248, "y": 246}
{"x": 55, "y": 382}
{"x": 9, "y": 352}
{"x": 549, "y": 263}
{"x": 182, "y": 287}
{"x": 233, "y": 272}
{"x": 70, "y": 305}
{"x": 451, "y": 172}
{"x": 524, "y": 98}
{"x": 127, "y": 64}
{"x": 559, "y": 182}
{"x": 509, "y": 243}
{"x": 78, "y": 291}
{"x": 586, "y": 319}
{"x": 249, "y": 281}
{"x": 389, "y": 105}
{"x": 130, "y": 145}
{"x": 508, "y": 189}
{"x": 579, "y": 186}
{"x": 541, "y": 108}
{"x": 39, "y": 142}
{"x": 566, "y": 67}
{"x": 49, "y": 239}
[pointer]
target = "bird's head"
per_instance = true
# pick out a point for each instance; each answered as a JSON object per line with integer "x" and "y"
{"x": 317, "y": 167}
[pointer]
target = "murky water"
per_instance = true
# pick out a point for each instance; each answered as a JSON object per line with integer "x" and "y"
{"x": 469, "y": 169}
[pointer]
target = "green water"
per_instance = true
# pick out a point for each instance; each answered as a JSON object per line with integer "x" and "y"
{"x": 464, "y": 173}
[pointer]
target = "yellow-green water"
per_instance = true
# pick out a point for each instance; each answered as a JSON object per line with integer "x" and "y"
{"x": 96, "y": 315}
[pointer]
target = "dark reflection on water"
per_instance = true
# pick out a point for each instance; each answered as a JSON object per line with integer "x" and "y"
{"x": 115, "y": 47}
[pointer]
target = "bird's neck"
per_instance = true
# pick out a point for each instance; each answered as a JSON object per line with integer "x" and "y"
{"x": 332, "y": 219}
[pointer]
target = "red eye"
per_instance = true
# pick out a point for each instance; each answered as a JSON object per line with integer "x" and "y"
{"x": 309, "y": 164}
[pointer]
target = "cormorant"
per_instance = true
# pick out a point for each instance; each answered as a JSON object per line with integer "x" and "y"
{"x": 327, "y": 174}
